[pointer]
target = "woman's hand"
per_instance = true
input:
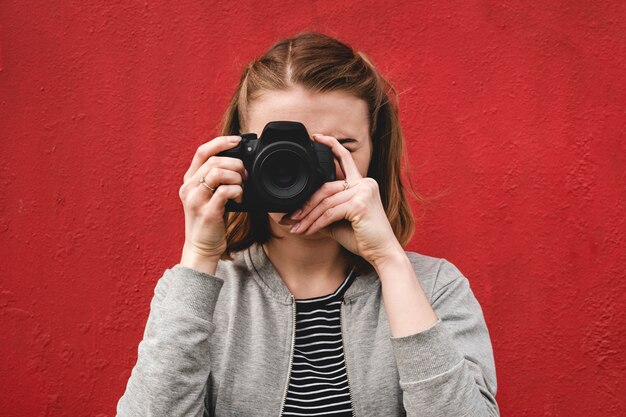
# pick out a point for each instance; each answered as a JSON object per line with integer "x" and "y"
{"x": 205, "y": 228}
{"x": 354, "y": 217}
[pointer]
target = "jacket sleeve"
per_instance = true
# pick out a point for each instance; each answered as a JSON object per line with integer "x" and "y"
{"x": 170, "y": 376}
{"x": 448, "y": 369}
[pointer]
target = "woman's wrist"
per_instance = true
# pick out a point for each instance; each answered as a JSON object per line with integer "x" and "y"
{"x": 193, "y": 260}
{"x": 395, "y": 255}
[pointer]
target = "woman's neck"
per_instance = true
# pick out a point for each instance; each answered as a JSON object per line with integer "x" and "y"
{"x": 309, "y": 267}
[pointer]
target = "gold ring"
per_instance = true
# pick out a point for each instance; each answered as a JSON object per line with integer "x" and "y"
{"x": 206, "y": 185}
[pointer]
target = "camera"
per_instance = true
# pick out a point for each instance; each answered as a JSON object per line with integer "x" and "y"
{"x": 285, "y": 167}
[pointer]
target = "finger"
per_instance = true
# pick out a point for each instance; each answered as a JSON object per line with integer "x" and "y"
{"x": 222, "y": 162}
{"x": 346, "y": 162}
{"x": 327, "y": 189}
{"x": 214, "y": 179}
{"x": 217, "y": 176}
{"x": 222, "y": 194}
{"x": 208, "y": 149}
{"x": 324, "y": 209}
{"x": 332, "y": 215}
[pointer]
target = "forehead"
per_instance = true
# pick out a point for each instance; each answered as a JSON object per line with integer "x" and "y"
{"x": 334, "y": 113}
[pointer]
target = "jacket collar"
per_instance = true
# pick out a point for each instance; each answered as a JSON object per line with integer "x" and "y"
{"x": 266, "y": 274}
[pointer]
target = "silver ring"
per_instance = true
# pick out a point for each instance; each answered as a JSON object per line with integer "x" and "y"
{"x": 345, "y": 185}
{"x": 206, "y": 185}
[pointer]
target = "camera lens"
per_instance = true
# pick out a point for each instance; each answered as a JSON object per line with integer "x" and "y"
{"x": 284, "y": 173}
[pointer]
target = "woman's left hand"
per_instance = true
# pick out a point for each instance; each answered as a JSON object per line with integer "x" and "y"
{"x": 353, "y": 216}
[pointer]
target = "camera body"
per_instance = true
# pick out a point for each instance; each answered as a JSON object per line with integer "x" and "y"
{"x": 285, "y": 167}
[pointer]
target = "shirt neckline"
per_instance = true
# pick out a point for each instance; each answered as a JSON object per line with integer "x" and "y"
{"x": 332, "y": 296}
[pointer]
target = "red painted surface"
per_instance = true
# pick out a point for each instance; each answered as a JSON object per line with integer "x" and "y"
{"x": 514, "y": 116}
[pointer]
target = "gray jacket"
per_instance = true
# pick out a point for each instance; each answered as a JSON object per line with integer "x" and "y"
{"x": 221, "y": 346}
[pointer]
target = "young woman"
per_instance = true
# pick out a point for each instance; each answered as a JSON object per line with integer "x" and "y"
{"x": 319, "y": 312}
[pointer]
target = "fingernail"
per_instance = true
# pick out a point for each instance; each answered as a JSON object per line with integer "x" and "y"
{"x": 296, "y": 214}
{"x": 234, "y": 139}
{"x": 294, "y": 228}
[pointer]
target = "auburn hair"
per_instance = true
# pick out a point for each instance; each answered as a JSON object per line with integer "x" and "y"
{"x": 321, "y": 63}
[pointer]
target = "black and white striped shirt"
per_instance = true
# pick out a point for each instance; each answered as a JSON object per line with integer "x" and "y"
{"x": 318, "y": 384}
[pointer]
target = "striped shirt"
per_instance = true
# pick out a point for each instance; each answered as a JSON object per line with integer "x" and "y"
{"x": 318, "y": 384}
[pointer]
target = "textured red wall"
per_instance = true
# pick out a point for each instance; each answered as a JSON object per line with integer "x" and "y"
{"x": 514, "y": 116}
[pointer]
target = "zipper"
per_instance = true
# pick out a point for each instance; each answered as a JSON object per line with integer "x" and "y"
{"x": 293, "y": 342}
{"x": 345, "y": 358}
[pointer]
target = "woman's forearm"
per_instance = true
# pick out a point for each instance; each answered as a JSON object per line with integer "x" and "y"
{"x": 406, "y": 304}
{"x": 173, "y": 361}
{"x": 445, "y": 360}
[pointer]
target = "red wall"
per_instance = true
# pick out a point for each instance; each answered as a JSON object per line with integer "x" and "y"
{"x": 514, "y": 117}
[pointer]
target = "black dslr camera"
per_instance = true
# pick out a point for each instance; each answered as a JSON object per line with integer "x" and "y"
{"x": 285, "y": 167}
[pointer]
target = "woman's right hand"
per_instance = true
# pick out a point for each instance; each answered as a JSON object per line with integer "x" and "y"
{"x": 205, "y": 227}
